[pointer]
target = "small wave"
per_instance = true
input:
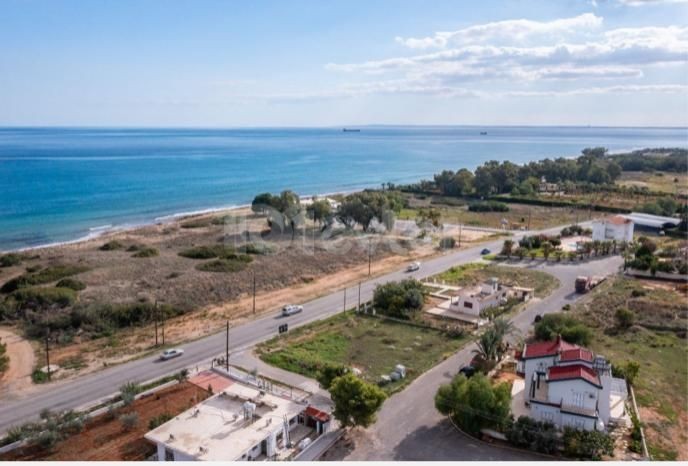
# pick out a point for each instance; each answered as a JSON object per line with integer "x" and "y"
{"x": 101, "y": 228}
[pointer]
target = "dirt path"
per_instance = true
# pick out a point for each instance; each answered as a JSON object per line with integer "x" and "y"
{"x": 18, "y": 377}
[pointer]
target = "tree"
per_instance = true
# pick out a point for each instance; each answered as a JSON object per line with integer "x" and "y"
{"x": 429, "y": 218}
{"x": 587, "y": 444}
{"x": 508, "y": 248}
{"x": 624, "y": 318}
{"x": 319, "y": 211}
{"x": 488, "y": 345}
{"x": 328, "y": 373}
{"x": 355, "y": 402}
{"x": 262, "y": 202}
{"x": 568, "y": 327}
{"x": 399, "y": 299}
{"x": 547, "y": 249}
{"x": 474, "y": 403}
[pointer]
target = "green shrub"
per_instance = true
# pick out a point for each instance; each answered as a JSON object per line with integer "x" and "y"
{"x": 47, "y": 439}
{"x": 10, "y": 259}
{"x": 129, "y": 421}
{"x": 4, "y": 358}
{"x": 225, "y": 265}
{"x": 41, "y": 297}
{"x": 71, "y": 283}
{"x": 489, "y": 206}
{"x": 41, "y": 277}
{"x": 208, "y": 252}
{"x": 535, "y": 435}
{"x": 146, "y": 251}
{"x": 447, "y": 242}
{"x": 198, "y": 223}
{"x": 112, "y": 246}
{"x": 587, "y": 444}
{"x": 38, "y": 376}
{"x": 624, "y": 318}
{"x": 568, "y": 327}
{"x": 159, "y": 420}
{"x": 399, "y": 299}
{"x": 256, "y": 248}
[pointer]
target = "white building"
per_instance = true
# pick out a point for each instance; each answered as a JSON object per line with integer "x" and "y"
{"x": 241, "y": 423}
{"x": 474, "y": 301}
{"x": 569, "y": 386}
{"x": 613, "y": 228}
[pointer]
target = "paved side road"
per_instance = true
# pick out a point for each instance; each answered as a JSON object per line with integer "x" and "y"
{"x": 409, "y": 428}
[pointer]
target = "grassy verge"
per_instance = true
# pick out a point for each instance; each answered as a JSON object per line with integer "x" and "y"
{"x": 656, "y": 340}
{"x": 372, "y": 345}
{"x": 477, "y": 273}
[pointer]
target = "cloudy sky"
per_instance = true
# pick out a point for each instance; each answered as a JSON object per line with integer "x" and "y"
{"x": 316, "y": 63}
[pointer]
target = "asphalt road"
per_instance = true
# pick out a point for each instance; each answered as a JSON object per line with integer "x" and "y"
{"x": 78, "y": 392}
{"x": 409, "y": 428}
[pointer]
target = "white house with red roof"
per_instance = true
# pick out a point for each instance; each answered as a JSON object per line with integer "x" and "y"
{"x": 568, "y": 386}
{"x": 616, "y": 228}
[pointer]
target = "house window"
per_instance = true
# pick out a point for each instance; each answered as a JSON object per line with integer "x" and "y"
{"x": 468, "y": 305}
{"x": 169, "y": 455}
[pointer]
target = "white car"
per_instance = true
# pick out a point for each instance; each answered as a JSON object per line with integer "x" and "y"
{"x": 171, "y": 353}
{"x": 291, "y": 309}
{"x": 413, "y": 266}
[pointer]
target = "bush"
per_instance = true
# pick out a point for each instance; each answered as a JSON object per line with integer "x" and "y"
{"x": 328, "y": 372}
{"x": 159, "y": 420}
{"x": 447, "y": 242}
{"x": 41, "y": 277}
{"x": 4, "y": 358}
{"x": 489, "y": 206}
{"x": 256, "y": 248}
{"x": 568, "y": 327}
{"x": 208, "y": 252}
{"x": 146, "y": 251}
{"x": 225, "y": 265}
{"x": 198, "y": 223}
{"x": 72, "y": 284}
{"x": 624, "y": 318}
{"x": 38, "y": 376}
{"x": 587, "y": 444}
{"x": 47, "y": 439}
{"x": 535, "y": 435}
{"x": 399, "y": 299}
{"x": 39, "y": 297}
{"x": 129, "y": 421}
{"x": 10, "y": 259}
{"x": 112, "y": 246}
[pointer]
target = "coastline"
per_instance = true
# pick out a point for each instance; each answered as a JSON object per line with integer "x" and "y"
{"x": 111, "y": 231}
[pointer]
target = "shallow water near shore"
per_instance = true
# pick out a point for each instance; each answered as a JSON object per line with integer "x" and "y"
{"x": 61, "y": 184}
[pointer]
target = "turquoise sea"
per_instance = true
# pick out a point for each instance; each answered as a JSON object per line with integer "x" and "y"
{"x": 61, "y": 184}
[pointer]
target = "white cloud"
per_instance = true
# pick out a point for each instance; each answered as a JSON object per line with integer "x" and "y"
{"x": 511, "y": 30}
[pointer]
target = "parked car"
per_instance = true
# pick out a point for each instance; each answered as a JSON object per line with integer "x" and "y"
{"x": 485, "y": 252}
{"x": 413, "y": 266}
{"x": 171, "y": 353}
{"x": 468, "y": 371}
{"x": 291, "y": 309}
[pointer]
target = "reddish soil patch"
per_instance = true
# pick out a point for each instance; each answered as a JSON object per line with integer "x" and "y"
{"x": 104, "y": 438}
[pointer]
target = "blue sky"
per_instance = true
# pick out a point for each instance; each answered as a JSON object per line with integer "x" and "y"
{"x": 317, "y": 63}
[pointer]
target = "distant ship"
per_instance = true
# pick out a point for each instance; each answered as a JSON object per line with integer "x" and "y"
{"x": 351, "y": 130}
{"x": 483, "y": 133}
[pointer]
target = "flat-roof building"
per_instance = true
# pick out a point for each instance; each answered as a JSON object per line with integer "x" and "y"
{"x": 241, "y": 423}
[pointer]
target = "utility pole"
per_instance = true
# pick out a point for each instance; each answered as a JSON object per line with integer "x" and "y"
{"x": 227, "y": 349}
{"x": 345, "y": 298}
{"x": 254, "y": 293}
{"x": 529, "y": 210}
{"x": 359, "y": 297}
{"x": 162, "y": 322}
{"x": 460, "y": 227}
{"x": 47, "y": 349}
{"x": 155, "y": 319}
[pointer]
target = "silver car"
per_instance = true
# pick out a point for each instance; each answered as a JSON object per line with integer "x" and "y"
{"x": 171, "y": 353}
{"x": 291, "y": 309}
{"x": 413, "y": 266}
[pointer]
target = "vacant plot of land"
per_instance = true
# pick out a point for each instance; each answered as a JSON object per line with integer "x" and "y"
{"x": 456, "y": 211}
{"x": 657, "y": 341}
{"x": 104, "y": 437}
{"x": 664, "y": 182}
{"x": 373, "y": 345}
{"x": 476, "y": 273}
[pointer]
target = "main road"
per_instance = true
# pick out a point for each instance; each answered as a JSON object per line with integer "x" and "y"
{"x": 77, "y": 392}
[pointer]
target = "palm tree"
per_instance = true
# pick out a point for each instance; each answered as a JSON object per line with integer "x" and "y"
{"x": 520, "y": 252}
{"x": 502, "y": 327}
{"x": 488, "y": 345}
{"x": 546, "y": 249}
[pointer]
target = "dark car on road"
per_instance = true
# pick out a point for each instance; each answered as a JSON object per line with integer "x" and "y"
{"x": 468, "y": 371}
{"x": 485, "y": 252}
